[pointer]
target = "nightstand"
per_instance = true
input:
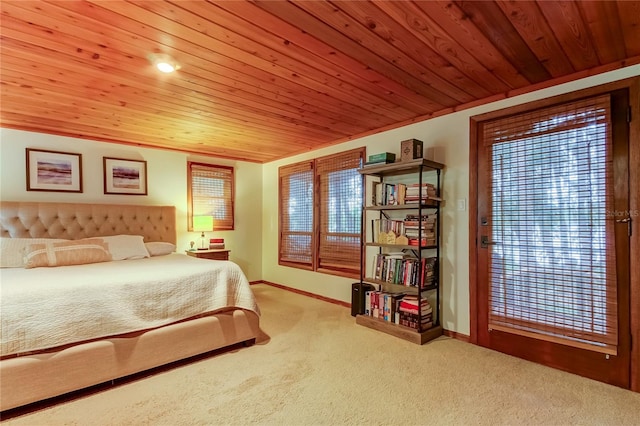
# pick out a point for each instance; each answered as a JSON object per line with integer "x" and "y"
{"x": 210, "y": 254}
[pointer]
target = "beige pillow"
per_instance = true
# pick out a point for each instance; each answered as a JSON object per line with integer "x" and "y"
{"x": 79, "y": 252}
{"x": 12, "y": 250}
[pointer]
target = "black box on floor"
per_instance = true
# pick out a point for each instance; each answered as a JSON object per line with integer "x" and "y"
{"x": 357, "y": 297}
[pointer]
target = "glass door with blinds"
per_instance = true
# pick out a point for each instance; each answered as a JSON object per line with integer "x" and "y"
{"x": 554, "y": 254}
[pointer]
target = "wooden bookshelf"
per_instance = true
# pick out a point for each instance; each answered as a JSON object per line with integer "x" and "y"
{"x": 425, "y": 176}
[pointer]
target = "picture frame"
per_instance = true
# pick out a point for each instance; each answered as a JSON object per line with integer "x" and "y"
{"x": 125, "y": 177}
{"x": 53, "y": 171}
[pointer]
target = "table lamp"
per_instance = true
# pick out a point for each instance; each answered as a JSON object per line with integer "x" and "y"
{"x": 203, "y": 224}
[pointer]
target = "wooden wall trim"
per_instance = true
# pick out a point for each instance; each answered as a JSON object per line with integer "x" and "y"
{"x": 304, "y": 293}
{"x": 457, "y": 336}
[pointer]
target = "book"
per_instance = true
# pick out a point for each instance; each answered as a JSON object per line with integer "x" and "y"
{"x": 216, "y": 244}
{"x": 411, "y": 302}
{"x": 374, "y": 193}
{"x": 391, "y": 194}
{"x": 385, "y": 231}
{"x": 383, "y": 157}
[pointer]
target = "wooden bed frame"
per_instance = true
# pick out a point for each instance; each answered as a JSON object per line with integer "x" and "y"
{"x": 34, "y": 377}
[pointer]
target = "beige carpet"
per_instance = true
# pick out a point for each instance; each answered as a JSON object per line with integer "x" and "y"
{"x": 317, "y": 367}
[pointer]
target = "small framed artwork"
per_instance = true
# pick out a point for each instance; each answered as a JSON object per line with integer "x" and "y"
{"x": 53, "y": 171}
{"x": 125, "y": 176}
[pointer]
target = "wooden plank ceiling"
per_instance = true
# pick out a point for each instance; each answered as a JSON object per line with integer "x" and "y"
{"x": 268, "y": 79}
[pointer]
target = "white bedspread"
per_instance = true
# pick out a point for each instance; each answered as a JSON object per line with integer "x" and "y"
{"x": 47, "y": 307}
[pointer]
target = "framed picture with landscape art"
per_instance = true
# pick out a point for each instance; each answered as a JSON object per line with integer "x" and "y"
{"x": 53, "y": 171}
{"x": 125, "y": 176}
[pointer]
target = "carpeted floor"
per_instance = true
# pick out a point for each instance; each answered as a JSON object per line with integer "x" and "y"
{"x": 315, "y": 366}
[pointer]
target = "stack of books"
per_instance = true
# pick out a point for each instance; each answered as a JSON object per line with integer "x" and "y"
{"x": 398, "y": 308}
{"x": 409, "y": 316}
{"x": 412, "y": 224}
{"x": 414, "y": 194}
{"x": 216, "y": 244}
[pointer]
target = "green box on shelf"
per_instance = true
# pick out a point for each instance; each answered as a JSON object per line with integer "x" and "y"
{"x": 383, "y": 157}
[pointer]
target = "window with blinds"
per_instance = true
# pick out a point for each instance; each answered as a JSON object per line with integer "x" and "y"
{"x": 296, "y": 214}
{"x": 210, "y": 192}
{"x": 552, "y": 270}
{"x": 340, "y": 196}
{"x": 320, "y": 203}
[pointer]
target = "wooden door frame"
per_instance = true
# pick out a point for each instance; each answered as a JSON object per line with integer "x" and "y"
{"x": 633, "y": 85}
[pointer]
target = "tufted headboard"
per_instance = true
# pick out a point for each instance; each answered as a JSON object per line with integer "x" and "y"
{"x": 74, "y": 221}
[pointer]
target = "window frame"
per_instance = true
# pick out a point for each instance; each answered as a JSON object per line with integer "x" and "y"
{"x": 314, "y": 265}
{"x": 231, "y": 200}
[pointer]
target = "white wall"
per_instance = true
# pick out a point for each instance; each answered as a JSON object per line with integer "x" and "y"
{"x": 448, "y": 136}
{"x": 167, "y": 185}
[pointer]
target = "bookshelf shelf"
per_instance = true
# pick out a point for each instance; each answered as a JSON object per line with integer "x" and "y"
{"x": 401, "y": 205}
{"x": 400, "y": 246}
{"x": 402, "y": 167}
{"x": 399, "y": 287}
{"x": 432, "y": 203}
{"x": 405, "y": 333}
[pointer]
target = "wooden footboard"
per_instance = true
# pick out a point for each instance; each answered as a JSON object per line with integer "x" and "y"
{"x": 33, "y": 378}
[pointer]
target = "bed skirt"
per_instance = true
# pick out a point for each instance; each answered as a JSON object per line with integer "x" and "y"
{"x": 31, "y": 378}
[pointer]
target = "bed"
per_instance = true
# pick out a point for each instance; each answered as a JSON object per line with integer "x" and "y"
{"x": 103, "y": 319}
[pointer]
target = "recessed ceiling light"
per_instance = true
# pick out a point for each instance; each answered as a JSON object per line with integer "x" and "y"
{"x": 164, "y": 62}
{"x": 165, "y": 67}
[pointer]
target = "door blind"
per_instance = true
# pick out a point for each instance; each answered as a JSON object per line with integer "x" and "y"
{"x": 552, "y": 270}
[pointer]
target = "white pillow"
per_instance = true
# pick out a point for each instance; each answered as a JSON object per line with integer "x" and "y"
{"x": 12, "y": 250}
{"x": 159, "y": 248}
{"x": 124, "y": 247}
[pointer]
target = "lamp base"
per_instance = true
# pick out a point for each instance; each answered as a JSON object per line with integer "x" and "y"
{"x": 202, "y": 242}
